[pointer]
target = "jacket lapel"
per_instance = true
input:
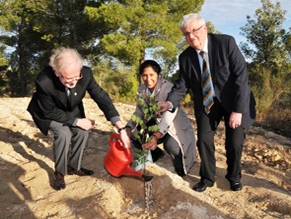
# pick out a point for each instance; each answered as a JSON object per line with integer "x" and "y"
{"x": 60, "y": 91}
{"x": 158, "y": 86}
{"x": 194, "y": 62}
{"x": 212, "y": 58}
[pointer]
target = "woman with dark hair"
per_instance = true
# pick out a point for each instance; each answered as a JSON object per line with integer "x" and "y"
{"x": 175, "y": 131}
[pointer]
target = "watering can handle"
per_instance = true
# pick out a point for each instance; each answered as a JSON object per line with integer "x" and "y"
{"x": 113, "y": 137}
{"x": 116, "y": 136}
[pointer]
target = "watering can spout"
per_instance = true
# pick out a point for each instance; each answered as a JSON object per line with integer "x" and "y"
{"x": 117, "y": 160}
{"x": 130, "y": 172}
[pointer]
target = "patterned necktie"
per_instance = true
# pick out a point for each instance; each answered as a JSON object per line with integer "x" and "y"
{"x": 207, "y": 87}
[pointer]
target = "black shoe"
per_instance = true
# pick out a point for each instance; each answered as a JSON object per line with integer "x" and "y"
{"x": 201, "y": 187}
{"x": 80, "y": 172}
{"x": 178, "y": 164}
{"x": 59, "y": 181}
{"x": 181, "y": 173}
{"x": 236, "y": 186}
{"x": 157, "y": 154}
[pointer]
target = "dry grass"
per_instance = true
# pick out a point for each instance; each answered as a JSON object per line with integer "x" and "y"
{"x": 276, "y": 120}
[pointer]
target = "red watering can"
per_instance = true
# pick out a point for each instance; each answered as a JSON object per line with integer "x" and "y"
{"x": 118, "y": 158}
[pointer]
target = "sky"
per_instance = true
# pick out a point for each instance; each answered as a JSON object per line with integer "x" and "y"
{"x": 229, "y": 19}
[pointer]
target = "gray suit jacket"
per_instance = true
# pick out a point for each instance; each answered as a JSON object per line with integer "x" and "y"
{"x": 176, "y": 124}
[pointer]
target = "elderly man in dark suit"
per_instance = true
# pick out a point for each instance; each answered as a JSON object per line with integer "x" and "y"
{"x": 214, "y": 69}
{"x": 57, "y": 106}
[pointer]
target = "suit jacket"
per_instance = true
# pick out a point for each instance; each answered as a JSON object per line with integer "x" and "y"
{"x": 50, "y": 102}
{"x": 176, "y": 124}
{"x": 229, "y": 76}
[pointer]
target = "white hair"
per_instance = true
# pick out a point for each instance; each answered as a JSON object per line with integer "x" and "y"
{"x": 189, "y": 17}
{"x": 64, "y": 57}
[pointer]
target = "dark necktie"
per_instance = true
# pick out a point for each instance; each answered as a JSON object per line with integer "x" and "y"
{"x": 68, "y": 91}
{"x": 207, "y": 87}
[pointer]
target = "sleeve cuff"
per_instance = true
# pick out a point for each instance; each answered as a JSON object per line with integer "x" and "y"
{"x": 114, "y": 120}
{"x": 172, "y": 108}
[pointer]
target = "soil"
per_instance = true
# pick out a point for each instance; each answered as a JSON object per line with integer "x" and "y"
{"x": 26, "y": 176}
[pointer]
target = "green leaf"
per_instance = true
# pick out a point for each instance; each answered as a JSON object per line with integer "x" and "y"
{"x": 145, "y": 110}
{"x": 140, "y": 122}
{"x": 148, "y": 106}
{"x": 134, "y": 118}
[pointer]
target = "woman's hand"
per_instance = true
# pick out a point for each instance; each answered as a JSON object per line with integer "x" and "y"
{"x": 152, "y": 145}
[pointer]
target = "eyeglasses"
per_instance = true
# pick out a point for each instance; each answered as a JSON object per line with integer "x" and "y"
{"x": 194, "y": 31}
{"x": 71, "y": 80}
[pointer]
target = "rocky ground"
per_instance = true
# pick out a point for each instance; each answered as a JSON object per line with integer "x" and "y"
{"x": 26, "y": 177}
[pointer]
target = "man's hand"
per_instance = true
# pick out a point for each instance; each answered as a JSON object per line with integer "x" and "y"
{"x": 123, "y": 134}
{"x": 235, "y": 120}
{"x": 85, "y": 123}
{"x": 165, "y": 106}
{"x": 125, "y": 139}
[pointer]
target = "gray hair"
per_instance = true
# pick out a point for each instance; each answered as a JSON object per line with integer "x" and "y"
{"x": 63, "y": 57}
{"x": 192, "y": 16}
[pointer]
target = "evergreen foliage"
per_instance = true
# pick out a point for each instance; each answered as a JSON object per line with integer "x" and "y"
{"x": 3, "y": 71}
{"x": 116, "y": 36}
{"x": 270, "y": 61}
{"x": 141, "y": 27}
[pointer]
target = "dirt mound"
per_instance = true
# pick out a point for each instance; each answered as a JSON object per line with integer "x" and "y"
{"x": 26, "y": 170}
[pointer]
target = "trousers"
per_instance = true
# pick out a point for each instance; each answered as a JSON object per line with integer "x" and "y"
{"x": 234, "y": 140}
{"x": 68, "y": 146}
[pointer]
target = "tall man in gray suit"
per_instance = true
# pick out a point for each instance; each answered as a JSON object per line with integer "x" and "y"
{"x": 224, "y": 93}
{"x": 57, "y": 106}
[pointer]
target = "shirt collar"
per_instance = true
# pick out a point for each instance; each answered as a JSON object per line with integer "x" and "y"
{"x": 205, "y": 47}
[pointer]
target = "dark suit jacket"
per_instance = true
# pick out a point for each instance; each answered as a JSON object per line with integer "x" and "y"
{"x": 49, "y": 102}
{"x": 229, "y": 75}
